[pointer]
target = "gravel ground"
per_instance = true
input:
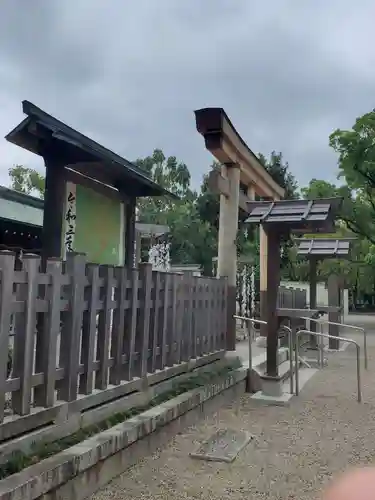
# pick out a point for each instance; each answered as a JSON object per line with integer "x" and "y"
{"x": 295, "y": 451}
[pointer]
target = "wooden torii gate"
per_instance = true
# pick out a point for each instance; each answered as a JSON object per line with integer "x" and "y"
{"x": 242, "y": 177}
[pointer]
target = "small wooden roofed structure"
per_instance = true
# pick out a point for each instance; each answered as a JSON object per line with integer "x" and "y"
{"x": 296, "y": 216}
{"x": 279, "y": 219}
{"x": 323, "y": 248}
{"x": 316, "y": 249}
{"x": 71, "y": 156}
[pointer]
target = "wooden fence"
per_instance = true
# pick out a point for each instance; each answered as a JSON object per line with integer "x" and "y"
{"x": 82, "y": 329}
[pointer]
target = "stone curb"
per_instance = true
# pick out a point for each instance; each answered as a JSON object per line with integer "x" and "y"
{"x": 49, "y": 474}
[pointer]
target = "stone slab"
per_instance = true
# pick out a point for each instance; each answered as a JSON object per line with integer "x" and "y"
{"x": 305, "y": 374}
{"x": 282, "y": 400}
{"x": 223, "y": 446}
{"x": 343, "y": 347}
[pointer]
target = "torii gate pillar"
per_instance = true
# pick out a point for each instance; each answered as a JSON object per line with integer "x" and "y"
{"x": 227, "y": 248}
{"x": 240, "y": 169}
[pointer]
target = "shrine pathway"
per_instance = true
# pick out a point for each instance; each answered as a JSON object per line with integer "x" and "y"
{"x": 295, "y": 452}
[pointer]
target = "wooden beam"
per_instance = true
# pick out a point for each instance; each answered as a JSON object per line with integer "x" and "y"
{"x": 219, "y": 185}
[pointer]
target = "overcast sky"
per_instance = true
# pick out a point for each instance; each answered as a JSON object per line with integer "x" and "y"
{"x": 130, "y": 73}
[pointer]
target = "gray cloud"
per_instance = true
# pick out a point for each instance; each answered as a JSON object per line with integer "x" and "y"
{"x": 130, "y": 74}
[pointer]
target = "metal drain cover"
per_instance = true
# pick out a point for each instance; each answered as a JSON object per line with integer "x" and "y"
{"x": 223, "y": 446}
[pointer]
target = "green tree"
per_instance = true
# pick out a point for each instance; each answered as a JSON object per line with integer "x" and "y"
{"x": 208, "y": 203}
{"x": 27, "y": 180}
{"x": 356, "y": 162}
{"x": 193, "y": 240}
{"x": 280, "y": 172}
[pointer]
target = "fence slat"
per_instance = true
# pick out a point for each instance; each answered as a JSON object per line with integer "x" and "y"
{"x": 223, "y": 308}
{"x": 207, "y": 315}
{"x": 131, "y": 323}
{"x": 48, "y": 333}
{"x": 117, "y": 345}
{"x": 199, "y": 320}
{"x": 104, "y": 327}
{"x": 7, "y": 261}
{"x": 144, "y": 331}
{"x": 155, "y": 333}
{"x": 24, "y": 340}
{"x": 164, "y": 336}
{"x": 179, "y": 317}
{"x": 71, "y": 328}
{"x": 86, "y": 384}
{"x": 189, "y": 338}
{"x": 172, "y": 319}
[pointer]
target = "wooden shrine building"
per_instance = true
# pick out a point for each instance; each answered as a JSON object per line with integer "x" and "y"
{"x": 90, "y": 194}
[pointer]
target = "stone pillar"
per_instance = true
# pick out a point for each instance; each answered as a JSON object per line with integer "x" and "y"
{"x": 227, "y": 250}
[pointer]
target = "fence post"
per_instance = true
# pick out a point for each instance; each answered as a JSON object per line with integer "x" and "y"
{"x": 104, "y": 327}
{"x": 71, "y": 329}
{"x": 173, "y": 325}
{"x": 179, "y": 316}
{"x": 189, "y": 339}
{"x": 118, "y": 329}
{"x": 89, "y": 320}
{"x": 47, "y": 335}
{"x": 224, "y": 306}
{"x": 7, "y": 260}
{"x": 164, "y": 336}
{"x": 206, "y": 301}
{"x": 144, "y": 330}
{"x": 155, "y": 320}
{"x": 25, "y": 328}
{"x": 131, "y": 324}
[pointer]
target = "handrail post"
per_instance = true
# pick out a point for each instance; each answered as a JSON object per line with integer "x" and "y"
{"x": 290, "y": 345}
{"x": 324, "y": 335}
{"x": 358, "y": 375}
{"x": 249, "y": 340}
{"x": 321, "y": 347}
{"x": 353, "y": 327}
{"x": 297, "y": 363}
{"x": 249, "y": 323}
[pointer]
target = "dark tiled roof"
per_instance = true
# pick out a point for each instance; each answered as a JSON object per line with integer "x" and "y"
{"x": 116, "y": 169}
{"x": 299, "y": 215}
{"x": 324, "y": 247}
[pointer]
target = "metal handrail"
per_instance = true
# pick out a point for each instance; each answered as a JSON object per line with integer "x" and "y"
{"x": 353, "y": 327}
{"x": 325, "y": 335}
{"x": 251, "y": 321}
{"x": 290, "y": 346}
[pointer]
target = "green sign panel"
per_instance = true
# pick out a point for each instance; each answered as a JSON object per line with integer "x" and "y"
{"x": 94, "y": 225}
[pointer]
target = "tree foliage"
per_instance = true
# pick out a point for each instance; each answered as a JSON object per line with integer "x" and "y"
{"x": 193, "y": 240}
{"x": 280, "y": 172}
{"x": 26, "y": 180}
